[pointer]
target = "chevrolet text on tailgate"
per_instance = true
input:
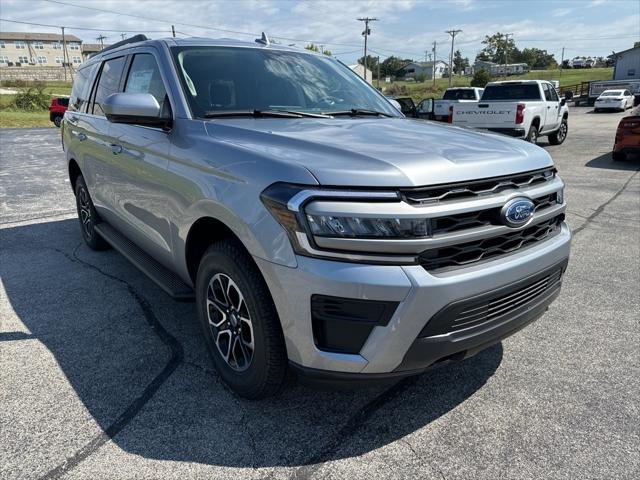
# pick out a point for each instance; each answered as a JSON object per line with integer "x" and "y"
{"x": 315, "y": 226}
{"x": 524, "y": 109}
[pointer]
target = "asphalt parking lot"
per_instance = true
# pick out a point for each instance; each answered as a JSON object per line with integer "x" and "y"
{"x": 104, "y": 376}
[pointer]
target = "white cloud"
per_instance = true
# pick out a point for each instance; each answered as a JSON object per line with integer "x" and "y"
{"x": 560, "y": 12}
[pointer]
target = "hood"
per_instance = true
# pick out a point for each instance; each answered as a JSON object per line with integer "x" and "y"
{"x": 377, "y": 152}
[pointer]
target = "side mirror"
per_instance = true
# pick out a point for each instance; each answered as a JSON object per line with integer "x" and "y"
{"x": 395, "y": 103}
{"x": 563, "y": 102}
{"x": 134, "y": 108}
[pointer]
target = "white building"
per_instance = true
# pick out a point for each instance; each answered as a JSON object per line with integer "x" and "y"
{"x": 627, "y": 64}
{"x": 360, "y": 70}
{"x": 415, "y": 69}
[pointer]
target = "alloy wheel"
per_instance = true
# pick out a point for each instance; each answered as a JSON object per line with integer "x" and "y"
{"x": 562, "y": 132}
{"x": 85, "y": 211}
{"x": 230, "y": 322}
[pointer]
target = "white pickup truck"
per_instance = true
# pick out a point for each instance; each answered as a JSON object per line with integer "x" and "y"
{"x": 455, "y": 95}
{"x": 525, "y": 109}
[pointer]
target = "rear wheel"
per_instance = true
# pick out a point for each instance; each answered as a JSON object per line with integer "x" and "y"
{"x": 239, "y": 321}
{"x": 57, "y": 121}
{"x": 532, "y": 136}
{"x": 559, "y": 136}
{"x": 88, "y": 217}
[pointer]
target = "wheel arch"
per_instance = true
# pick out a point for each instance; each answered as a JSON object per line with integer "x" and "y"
{"x": 536, "y": 122}
{"x": 74, "y": 173}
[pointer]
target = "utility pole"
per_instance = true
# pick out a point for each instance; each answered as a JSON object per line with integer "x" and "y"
{"x": 378, "y": 72}
{"x": 434, "y": 63}
{"x": 506, "y": 49}
{"x": 453, "y": 34}
{"x": 562, "y": 62}
{"x": 322, "y": 49}
{"x": 173, "y": 31}
{"x": 101, "y": 40}
{"x": 123, "y": 35}
{"x": 65, "y": 57}
{"x": 366, "y": 33}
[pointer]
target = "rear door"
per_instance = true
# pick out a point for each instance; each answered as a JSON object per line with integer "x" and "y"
{"x": 95, "y": 135}
{"x": 552, "y": 107}
{"x": 138, "y": 163}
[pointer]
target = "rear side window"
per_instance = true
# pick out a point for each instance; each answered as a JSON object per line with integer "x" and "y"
{"x": 144, "y": 77}
{"x": 82, "y": 88}
{"x": 529, "y": 91}
{"x": 63, "y": 101}
{"x": 459, "y": 95}
{"x": 108, "y": 83}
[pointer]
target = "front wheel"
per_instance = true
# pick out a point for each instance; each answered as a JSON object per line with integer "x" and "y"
{"x": 559, "y": 136}
{"x": 532, "y": 136}
{"x": 239, "y": 321}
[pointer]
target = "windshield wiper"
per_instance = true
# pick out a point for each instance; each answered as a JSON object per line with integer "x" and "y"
{"x": 358, "y": 111}
{"x": 262, "y": 113}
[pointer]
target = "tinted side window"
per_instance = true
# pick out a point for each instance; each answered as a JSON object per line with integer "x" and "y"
{"x": 108, "y": 83}
{"x": 144, "y": 77}
{"x": 82, "y": 88}
{"x": 553, "y": 93}
{"x": 547, "y": 93}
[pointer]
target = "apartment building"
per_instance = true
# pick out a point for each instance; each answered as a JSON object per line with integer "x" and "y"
{"x": 19, "y": 49}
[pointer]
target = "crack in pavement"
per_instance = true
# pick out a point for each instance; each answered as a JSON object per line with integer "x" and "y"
{"x": 601, "y": 208}
{"x": 177, "y": 356}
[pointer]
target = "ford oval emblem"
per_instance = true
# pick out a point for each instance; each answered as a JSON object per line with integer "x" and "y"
{"x": 517, "y": 212}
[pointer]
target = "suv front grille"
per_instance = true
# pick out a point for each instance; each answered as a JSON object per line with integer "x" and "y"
{"x": 470, "y": 190}
{"x": 489, "y": 248}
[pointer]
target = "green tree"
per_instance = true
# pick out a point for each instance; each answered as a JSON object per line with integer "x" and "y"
{"x": 636, "y": 44}
{"x": 372, "y": 64}
{"x": 459, "y": 63}
{"x": 497, "y": 48}
{"x": 536, "y": 59}
{"x": 393, "y": 66}
{"x": 480, "y": 78}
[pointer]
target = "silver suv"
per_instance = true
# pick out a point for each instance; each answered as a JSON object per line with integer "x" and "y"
{"x": 316, "y": 227}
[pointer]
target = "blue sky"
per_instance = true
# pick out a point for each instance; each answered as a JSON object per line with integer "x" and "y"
{"x": 405, "y": 28}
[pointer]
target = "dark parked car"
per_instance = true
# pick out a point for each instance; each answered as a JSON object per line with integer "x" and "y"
{"x": 56, "y": 110}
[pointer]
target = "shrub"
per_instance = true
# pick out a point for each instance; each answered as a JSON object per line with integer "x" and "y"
{"x": 396, "y": 89}
{"x": 32, "y": 97}
{"x": 480, "y": 78}
{"x": 13, "y": 83}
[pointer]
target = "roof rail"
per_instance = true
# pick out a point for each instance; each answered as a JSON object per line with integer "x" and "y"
{"x": 135, "y": 39}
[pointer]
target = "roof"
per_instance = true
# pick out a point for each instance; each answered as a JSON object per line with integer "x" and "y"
{"x": 50, "y": 37}
{"x": 626, "y": 51}
{"x": 93, "y": 47}
{"x": 425, "y": 64}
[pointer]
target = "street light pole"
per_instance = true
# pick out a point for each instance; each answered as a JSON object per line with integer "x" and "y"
{"x": 453, "y": 34}
{"x": 366, "y": 33}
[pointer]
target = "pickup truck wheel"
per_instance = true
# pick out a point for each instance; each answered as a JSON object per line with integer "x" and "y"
{"x": 532, "y": 136}
{"x": 88, "y": 217}
{"x": 57, "y": 121}
{"x": 559, "y": 136}
{"x": 239, "y": 321}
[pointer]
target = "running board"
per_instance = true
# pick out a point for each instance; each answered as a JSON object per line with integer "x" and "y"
{"x": 165, "y": 279}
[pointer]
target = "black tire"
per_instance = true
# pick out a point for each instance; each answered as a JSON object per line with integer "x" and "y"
{"x": 264, "y": 373}
{"x": 532, "y": 136}
{"x": 57, "y": 121}
{"x": 88, "y": 217}
{"x": 596, "y": 110}
{"x": 618, "y": 156}
{"x": 560, "y": 135}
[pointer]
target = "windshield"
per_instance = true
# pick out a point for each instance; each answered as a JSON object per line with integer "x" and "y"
{"x": 611, "y": 93}
{"x": 219, "y": 79}
{"x": 465, "y": 94}
{"x": 522, "y": 91}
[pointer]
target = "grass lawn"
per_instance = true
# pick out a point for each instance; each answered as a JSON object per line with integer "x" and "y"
{"x": 19, "y": 119}
{"x": 426, "y": 89}
{"x": 10, "y": 117}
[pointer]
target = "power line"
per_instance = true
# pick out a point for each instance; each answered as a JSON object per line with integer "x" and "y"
{"x": 82, "y": 28}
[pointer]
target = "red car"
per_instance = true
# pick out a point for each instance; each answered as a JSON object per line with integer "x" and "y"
{"x": 56, "y": 110}
{"x": 628, "y": 136}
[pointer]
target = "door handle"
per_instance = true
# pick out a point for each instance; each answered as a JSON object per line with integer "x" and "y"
{"x": 116, "y": 149}
{"x": 82, "y": 137}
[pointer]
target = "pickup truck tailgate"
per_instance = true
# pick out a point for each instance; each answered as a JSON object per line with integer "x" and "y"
{"x": 485, "y": 114}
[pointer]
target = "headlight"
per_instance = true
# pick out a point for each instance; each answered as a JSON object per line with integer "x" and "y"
{"x": 287, "y": 205}
{"x": 363, "y": 227}
{"x": 560, "y": 196}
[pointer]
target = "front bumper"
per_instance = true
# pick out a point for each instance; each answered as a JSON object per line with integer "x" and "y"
{"x": 395, "y": 348}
